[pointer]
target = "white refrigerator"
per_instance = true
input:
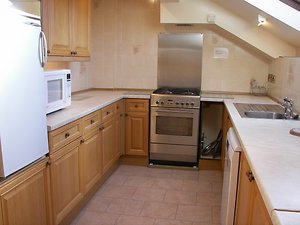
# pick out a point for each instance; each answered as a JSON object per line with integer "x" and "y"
{"x": 23, "y": 125}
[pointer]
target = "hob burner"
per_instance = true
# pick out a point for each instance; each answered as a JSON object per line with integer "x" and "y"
{"x": 178, "y": 91}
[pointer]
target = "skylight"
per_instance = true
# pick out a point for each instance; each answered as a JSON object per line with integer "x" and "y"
{"x": 279, "y": 10}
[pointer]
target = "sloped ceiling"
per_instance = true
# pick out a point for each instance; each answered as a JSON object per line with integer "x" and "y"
{"x": 238, "y": 18}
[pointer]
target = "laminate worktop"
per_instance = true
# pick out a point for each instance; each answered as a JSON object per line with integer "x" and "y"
{"x": 87, "y": 102}
{"x": 274, "y": 157}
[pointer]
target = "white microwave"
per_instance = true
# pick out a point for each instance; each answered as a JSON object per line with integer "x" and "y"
{"x": 58, "y": 89}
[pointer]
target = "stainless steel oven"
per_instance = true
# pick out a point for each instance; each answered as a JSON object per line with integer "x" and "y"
{"x": 174, "y": 128}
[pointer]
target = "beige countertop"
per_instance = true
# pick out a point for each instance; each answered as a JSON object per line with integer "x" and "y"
{"x": 274, "y": 157}
{"x": 87, "y": 102}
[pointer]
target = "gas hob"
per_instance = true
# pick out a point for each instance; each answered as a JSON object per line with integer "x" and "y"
{"x": 176, "y": 98}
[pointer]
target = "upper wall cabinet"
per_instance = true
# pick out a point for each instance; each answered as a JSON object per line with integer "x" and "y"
{"x": 66, "y": 25}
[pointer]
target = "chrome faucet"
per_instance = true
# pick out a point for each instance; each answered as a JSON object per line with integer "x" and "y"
{"x": 288, "y": 109}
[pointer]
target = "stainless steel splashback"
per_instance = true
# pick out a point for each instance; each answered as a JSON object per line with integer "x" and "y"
{"x": 180, "y": 59}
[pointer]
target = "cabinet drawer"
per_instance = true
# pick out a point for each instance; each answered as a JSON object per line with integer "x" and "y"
{"x": 108, "y": 112}
{"x": 137, "y": 105}
{"x": 64, "y": 135}
{"x": 91, "y": 121}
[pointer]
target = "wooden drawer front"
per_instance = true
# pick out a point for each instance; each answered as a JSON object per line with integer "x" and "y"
{"x": 108, "y": 112}
{"x": 91, "y": 121}
{"x": 137, "y": 105}
{"x": 64, "y": 135}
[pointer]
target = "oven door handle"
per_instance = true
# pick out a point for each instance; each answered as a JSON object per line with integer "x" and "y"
{"x": 173, "y": 111}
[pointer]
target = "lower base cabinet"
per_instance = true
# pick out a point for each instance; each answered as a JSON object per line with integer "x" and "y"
{"x": 251, "y": 209}
{"x": 25, "y": 198}
{"x": 109, "y": 144}
{"x": 91, "y": 159}
{"x": 65, "y": 180}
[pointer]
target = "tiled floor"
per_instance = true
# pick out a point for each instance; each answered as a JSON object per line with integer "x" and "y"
{"x": 154, "y": 196}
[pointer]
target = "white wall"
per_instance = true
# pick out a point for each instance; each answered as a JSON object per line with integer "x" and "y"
{"x": 124, "y": 50}
{"x": 287, "y": 79}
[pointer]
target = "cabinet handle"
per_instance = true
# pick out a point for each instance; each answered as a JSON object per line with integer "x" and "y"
{"x": 101, "y": 128}
{"x": 126, "y": 114}
{"x": 136, "y": 106}
{"x": 75, "y": 53}
{"x": 107, "y": 113}
{"x": 81, "y": 141}
{"x": 117, "y": 107}
{"x": 48, "y": 51}
{"x": 67, "y": 135}
{"x": 49, "y": 162}
{"x": 250, "y": 176}
{"x": 121, "y": 115}
{"x": 92, "y": 121}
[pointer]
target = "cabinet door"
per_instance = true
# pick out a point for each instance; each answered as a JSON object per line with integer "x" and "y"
{"x": 259, "y": 213}
{"x": 245, "y": 194}
{"x": 91, "y": 159}
{"x": 65, "y": 180}
{"x": 56, "y": 25}
{"x": 137, "y": 131}
{"x": 80, "y": 27}
{"x": 26, "y": 200}
{"x": 109, "y": 144}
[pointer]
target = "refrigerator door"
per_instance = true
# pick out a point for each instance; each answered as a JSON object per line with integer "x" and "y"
{"x": 23, "y": 125}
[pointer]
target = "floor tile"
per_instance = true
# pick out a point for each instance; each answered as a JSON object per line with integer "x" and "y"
{"x": 132, "y": 170}
{"x": 217, "y": 187}
{"x": 138, "y": 181}
{"x": 159, "y": 210}
{"x": 209, "y": 199}
{"x": 197, "y": 186}
{"x": 171, "y": 222}
{"x": 135, "y": 220}
{"x": 125, "y": 207}
{"x": 149, "y": 194}
{"x": 216, "y": 215}
{"x": 185, "y": 174}
{"x": 98, "y": 204}
{"x": 194, "y": 213}
{"x": 181, "y": 197}
{"x": 94, "y": 218}
{"x": 210, "y": 175}
{"x": 160, "y": 172}
{"x": 117, "y": 191}
{"x": 116, "y": 179}
{"x": 169, "y": 184}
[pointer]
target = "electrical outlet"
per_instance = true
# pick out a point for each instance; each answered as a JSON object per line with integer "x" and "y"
{"x": 271, "y": 78}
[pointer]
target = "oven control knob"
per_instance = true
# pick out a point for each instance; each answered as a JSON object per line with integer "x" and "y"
{"x": 177, "y": 103}
{"x": 157, "y": 102}
{"x": 162, "y": 103}
{"x": 187, "y": 103}
{"x": 192, "y": 103}
{"x": 182, "y": 103}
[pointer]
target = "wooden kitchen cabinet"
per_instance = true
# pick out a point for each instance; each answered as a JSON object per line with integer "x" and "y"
{"x": 25, "y": 198}
{"x": 108, "y": 144}
{"x": 66, "y": 188}
{"x": 91, "y": 151}
{"x": 251, "y": 209}
{"x": 66, "y": 26}
{"x": 137, "y": 127}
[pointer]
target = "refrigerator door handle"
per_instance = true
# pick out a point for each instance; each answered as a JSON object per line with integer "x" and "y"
{"x": 43, "y": 49}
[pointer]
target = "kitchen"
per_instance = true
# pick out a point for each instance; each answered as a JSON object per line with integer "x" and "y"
{"x": 131, "y": 44}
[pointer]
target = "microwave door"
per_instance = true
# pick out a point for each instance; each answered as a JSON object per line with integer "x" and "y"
{"x": 55, "y": 86}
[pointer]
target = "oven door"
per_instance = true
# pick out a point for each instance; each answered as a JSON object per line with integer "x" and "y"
{"x": 174, "y": 126}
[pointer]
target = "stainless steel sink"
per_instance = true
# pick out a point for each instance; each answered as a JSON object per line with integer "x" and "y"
{"x": 264, "y": 115}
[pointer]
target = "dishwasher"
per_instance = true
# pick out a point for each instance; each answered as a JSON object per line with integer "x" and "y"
{"x": 230, "y": 178}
